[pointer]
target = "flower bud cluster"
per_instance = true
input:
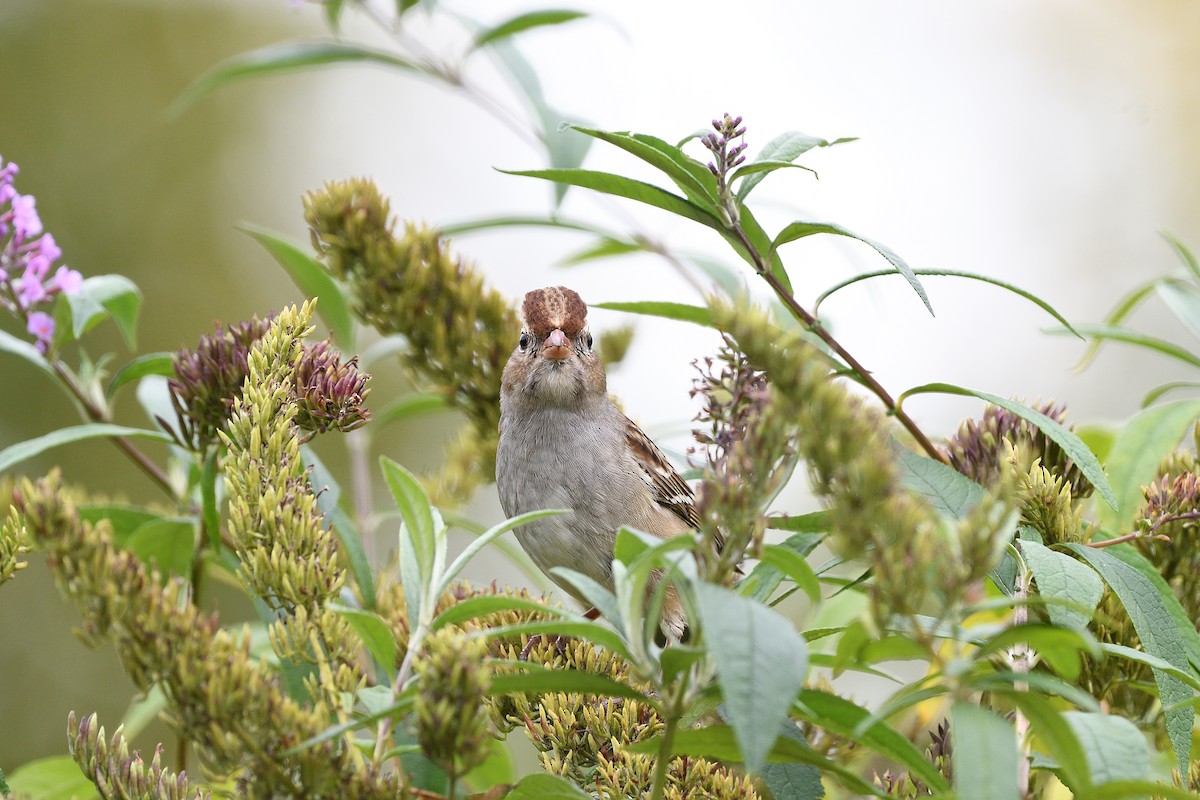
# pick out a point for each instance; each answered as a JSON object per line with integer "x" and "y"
{"x": 13, "y": 545}
{"x": 117, "y": 772}
{"x": 27, "y": 256}
{"x": 459, "y": 332}
{"x": 452, "y": 725}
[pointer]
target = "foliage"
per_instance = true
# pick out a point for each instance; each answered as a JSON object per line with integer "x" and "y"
{"x": 1050, "y": 596}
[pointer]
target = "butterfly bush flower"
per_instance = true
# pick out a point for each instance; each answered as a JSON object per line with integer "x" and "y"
{"x": 27, "y": 256}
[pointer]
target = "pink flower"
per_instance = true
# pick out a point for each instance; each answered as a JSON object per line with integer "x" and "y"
{"x": 37, "y": 267}
{"x": 25, "y": 217}
{"x": 41, "y": 325}
{"x": 48, "y": 248}
{"x": 30, "y": 290}
{"x": 67, "y": 281}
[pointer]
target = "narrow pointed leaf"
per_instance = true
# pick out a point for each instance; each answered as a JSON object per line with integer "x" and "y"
{"x": 692, "y": 177}
{"x": 284, "y": 57}
{"x": 1071, "y": 444}
{"x": 1184, "y": 253}
{"x": 785, "y": 147}
{"x": 112, "y": 296}
{"x": 374, "y": 633}
{"x": 524, "y": 22}
{"x": 950, "y": 273}
{"x": 1183, "y": 299}
{"x": 23, "y": 451}
{"x": 1112, "y": 333}
{"x": 677, "y": 311}
{"x": 798, "y": 230}
{"x": 484, "y": 604}
{"x": 543, "y": 786}
{"x": 629, "y": 188}
{"x": 140, "y": 367}
{"x": 1115, "y": 749}
{"x": 490, "y": 534}
{"x": 411, "y": 405}
{"x": 546, "y": 681}
{"x": 417, "y": 512}
{"x": 1124, "y": 307}
{"x": 313, "y": 280}
{"x": 23, "y": 349}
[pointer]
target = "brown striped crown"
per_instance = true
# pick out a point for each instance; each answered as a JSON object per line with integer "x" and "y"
{"x": 554, "y": 308}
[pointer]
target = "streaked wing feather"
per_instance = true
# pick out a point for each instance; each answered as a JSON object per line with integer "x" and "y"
{"x": 669, "y": 490}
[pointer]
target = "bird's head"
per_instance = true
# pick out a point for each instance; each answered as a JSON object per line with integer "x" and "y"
{"x": 554, "y": 363}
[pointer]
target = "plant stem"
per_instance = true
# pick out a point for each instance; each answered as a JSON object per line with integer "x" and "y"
{"x": 673, "y": 711}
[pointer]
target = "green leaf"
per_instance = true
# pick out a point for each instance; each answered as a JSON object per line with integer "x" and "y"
{"x": 169, "y": 544}
{"x": 693, "y": 178}
{"x": 1059, "y": 576}
{"x": 677, "y": 311}
{"x": 760, "y": 661}
{"x": 373, "y": 632}
{"x": 813, "y": 522}
{"x": 1115, "y": 749}
{"x": 845, "y": 718}
{"x": 1050, "y": 726}
{"x": 1157, "y": 392}
{"x": 1130, "y": 654}
{"x": 767, "y": 167}
{"x": 411, "y": 405}
{"x": 720, "y": 742}
{"x": 140, "y": 367}
{"x": 795, "y": 567}
{"x": 25, "y": 350}
{"x": 488, "y": 223}
{"x": 284, "y": 57}
{"x": 584, "y": 629}
{"x": 544, "y": 681}
{"x": 799, "y": 229}
{"x": 1183, "y": 300}
{"x": 491, "y": 533}
{"x": 786, "y": 147}
{"x": 1123, "y": 309}
{"x": 951, "y": 273}
{"x": 1185, "y": 254}
{"x": 51, "y": 778}
{"x": 482, "y": 605}
{"x": 603, "y": 247}
{"x": 594, "y": 593}
{"x": 541, "y": 786}
{"x": 523, "y": 22}
{"x": 946, "y": 489}
{"x": 1112, "y": 333}
{"x": 1071, "y": 444}
{"x": 1008, "y": 683}
{"x": 497, "y": 768}
{"x": 1139, "y": 448}
{"x": 113, "y": 296}
{"x": 1058, "y": 647}
{"x": 1118, "y": 790}
{"x": 23, "y": 451}
{"x": 985, "y": 754}
{"x": 313, "y": 280}
{"x": 417, "y": 536}
{"x": 792, "y": 781}
{"x": 1158, "y": 629}
{"x": 629, "y": 188}
{"x": 123, "y": 519}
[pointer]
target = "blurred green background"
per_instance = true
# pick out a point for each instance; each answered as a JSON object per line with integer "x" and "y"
{"x": 1045, "y": 144}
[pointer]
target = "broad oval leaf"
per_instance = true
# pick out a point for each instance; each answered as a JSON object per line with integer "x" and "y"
{"x": 800, "y": 229}
{"x": 168, "y": 544}
{"x": 1137, "y": 451}
{"x": 113, "y": 296}
{"x": 1071, "y": 444}
{"x": 761, "y": 662}
{"x": 984, "y": 754}
{"x": 543, "y": 786}
{"x": 1114, "y": 747}
{"x": 313, "y": 280}
{"x": 23, "y": 349}
{"x": 1062, "y": 577}
{"x": 374, "y": 633}
{"x": 946, "y": 489}
{"x": 52, "y": 778}
{"x": 1160, "y": 625}
{"x": 283, "y": 57}
{"x": 22, "y": 451}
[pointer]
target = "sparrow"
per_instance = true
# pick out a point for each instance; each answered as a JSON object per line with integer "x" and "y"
{"x": 565, "y": 444}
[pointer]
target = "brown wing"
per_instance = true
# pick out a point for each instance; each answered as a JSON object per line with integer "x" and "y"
{"x": 668, "y": 489}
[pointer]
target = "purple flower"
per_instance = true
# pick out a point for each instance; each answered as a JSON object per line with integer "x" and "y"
{"x": 25, "y": 219}
{"x": 41, "y": 325}
{"x": 47, "y": 247}
{"x": 67, "y": 281}
{"x": 30, "y": 290}
{"x": 37, "y": 267}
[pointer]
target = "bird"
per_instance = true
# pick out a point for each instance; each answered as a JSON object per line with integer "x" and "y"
{"x": 565, "y": 444}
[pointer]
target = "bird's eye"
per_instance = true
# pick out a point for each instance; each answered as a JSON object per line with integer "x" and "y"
{"x": 524, "y": 342}
{"x": 589, "y": 341}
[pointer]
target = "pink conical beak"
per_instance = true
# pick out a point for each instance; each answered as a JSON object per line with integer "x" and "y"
{"x": 557, "y": 346}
